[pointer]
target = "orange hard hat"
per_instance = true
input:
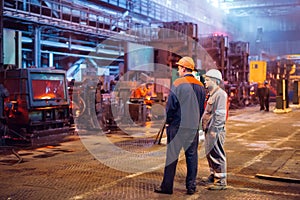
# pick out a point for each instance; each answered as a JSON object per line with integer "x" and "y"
{"x": 186, "y": 62}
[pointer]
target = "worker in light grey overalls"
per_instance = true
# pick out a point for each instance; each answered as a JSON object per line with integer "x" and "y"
{"x": 213, "y": 122}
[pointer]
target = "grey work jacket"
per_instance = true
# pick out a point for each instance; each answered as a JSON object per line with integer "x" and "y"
{"x": 214, "y": 116}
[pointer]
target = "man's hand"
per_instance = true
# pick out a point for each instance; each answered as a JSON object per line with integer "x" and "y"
{"x": 213, "y": 134}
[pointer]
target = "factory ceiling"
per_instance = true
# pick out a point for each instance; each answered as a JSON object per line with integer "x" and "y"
{"x": 243, "y": 8}
{"x": 269, "y": 25}
{"x": 69, "y": 25}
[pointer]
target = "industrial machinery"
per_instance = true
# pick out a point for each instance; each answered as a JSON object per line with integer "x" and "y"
{"x": 231, "y": 58}
{"x": 37, "y": 107}
{"x": 217, "y": 48}
{"x": 282, "y": 75}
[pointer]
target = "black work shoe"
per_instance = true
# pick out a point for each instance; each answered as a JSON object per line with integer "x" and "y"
{"x": 216, "y": 187}
{"x": 207, "y": 180}
{"x": 190, "y": 191}
{"x": 161, "y": 191}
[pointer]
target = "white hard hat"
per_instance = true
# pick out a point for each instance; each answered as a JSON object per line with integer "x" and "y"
{"x": 214, "y": 73}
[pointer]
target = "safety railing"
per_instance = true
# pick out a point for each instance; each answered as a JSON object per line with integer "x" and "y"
{"x": 85, "y": 17}
{"x": 67, "y": 15}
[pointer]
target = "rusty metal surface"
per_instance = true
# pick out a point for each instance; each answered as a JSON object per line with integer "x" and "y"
{"x": 257, "y": 143}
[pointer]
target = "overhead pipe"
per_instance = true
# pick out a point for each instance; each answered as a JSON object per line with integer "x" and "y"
{"x": 76, "y": 47}
{"x": 83, "y": 56}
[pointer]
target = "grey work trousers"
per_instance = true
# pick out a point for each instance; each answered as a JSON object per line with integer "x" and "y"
{"x": 215, "y": 154}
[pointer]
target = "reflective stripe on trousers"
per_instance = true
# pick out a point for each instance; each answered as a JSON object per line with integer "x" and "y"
{"x": 215, "y": 154}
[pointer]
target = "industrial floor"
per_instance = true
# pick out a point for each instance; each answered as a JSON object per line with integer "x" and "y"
{"x": 263, "y": 153}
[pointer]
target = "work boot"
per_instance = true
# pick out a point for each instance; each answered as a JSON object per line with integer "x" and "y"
{"x": 207, "y": 180}
{"x": 190, "y": 191}
{"x": 216, "y": 187}
{"x": 161, "y": 191}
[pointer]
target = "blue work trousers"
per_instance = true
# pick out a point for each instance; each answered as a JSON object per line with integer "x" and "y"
{"x": 187, "y": 139}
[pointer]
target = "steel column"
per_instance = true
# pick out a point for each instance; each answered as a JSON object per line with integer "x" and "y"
{"x": 1, "y": 32}
{"x": 37, "y": 46}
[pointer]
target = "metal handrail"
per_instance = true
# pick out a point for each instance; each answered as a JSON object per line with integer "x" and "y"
{"x": 79, "y": 17}
{"x": 63, "y": 14}
{"x": 85, "y": 18}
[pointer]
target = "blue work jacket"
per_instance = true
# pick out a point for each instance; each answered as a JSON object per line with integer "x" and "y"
{"x": 185, "y": 105}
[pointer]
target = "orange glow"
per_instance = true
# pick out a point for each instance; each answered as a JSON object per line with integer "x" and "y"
{"x": 47, "y": 96}
{"x": 47, "y": 89}
{"x": 219, "y": 34}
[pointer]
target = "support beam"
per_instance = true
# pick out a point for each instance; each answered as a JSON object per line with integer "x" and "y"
{"x": 51, "y": 59}
{"x": 37, "y": 46}
{"x": 25, "y": 5}
{"x": 1, "y": 32}
{"x": 18, "y": 49}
